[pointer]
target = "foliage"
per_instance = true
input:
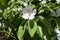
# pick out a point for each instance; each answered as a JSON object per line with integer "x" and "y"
{"x": 17, "y": 28}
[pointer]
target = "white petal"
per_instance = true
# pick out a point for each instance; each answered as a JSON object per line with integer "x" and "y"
{"x": 44, "y": 1}
{"x": 58, "y": 38}
{"x": 34, "y": 12}
{"x": 57, "y": 31}
{"x": 25, "y": 16}
{"x": 58, "y": 35}
{"x": 58, "y": 1}
{"x": 31, "y": 17}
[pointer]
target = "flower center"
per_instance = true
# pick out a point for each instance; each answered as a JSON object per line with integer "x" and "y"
{"x": 29, "y": 13}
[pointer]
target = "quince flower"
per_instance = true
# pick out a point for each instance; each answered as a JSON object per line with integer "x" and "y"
{"x": 28, "y": 13}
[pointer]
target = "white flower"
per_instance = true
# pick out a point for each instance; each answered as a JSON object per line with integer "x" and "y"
{"x": 25, "y": 4}
{"x": 28, "y": 13}
{"x": 44, "y": 1}
{"x": 58, "y": 33}
{"x": 55, "y": 13}
{"x": 58, "y": 1}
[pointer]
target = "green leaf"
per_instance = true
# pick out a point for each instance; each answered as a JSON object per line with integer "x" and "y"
{"x": 58, "y": 22}
{"x": 9, "y": 30}
{"x": 5, "y": 16}
{"x": 20, "y": 1}
{"x": 20, "y": 32}
{"x": 39, "y": 31}
{"x": 45, "y": 21}
{"x": 32, "y": 30}
{"x": 3, "y": 2}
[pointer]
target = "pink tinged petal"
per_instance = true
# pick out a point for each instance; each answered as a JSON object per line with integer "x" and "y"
{"x": 31, "y": 17}
{"x": 25, "y": 16}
